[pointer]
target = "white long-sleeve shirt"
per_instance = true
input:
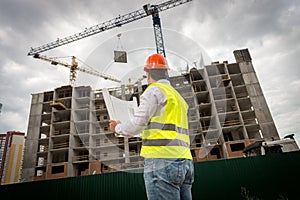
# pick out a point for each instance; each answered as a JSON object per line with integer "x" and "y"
{"x": 152, "y": 103}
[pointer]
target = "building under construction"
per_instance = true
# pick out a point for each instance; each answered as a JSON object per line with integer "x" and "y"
{"x": 68, "y": 131}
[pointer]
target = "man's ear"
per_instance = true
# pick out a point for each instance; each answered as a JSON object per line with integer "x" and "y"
{"x": 148, "y": 76}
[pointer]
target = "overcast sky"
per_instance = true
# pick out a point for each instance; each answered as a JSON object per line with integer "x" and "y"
{"x": 270, "y": 29}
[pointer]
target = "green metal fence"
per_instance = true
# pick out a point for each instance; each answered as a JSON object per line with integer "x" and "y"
{"x": 274, "y": 176}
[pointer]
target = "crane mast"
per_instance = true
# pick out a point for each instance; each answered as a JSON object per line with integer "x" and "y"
{"x": 153, "y": 10}
{"x": 117, "y": 22}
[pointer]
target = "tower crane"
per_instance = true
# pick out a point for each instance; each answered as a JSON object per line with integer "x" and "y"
{"x": 147, "y": 10}
{"x": 74, "y": 67}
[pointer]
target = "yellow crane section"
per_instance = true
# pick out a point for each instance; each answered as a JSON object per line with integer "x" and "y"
{"x": 74, "y": 67}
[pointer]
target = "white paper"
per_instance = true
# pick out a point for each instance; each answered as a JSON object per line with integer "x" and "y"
{"x": 119, "y": 109}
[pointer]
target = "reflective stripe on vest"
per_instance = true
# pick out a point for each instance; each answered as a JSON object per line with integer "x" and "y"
{"x": 165, "y": 142}
{"x": 171, "y": 127}
{"x": 166, "y": 135}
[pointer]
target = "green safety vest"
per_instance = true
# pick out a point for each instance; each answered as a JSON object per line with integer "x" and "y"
{"x": 166, "y": 135}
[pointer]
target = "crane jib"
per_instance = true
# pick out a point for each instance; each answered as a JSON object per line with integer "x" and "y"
{"x": 116, "y": 22}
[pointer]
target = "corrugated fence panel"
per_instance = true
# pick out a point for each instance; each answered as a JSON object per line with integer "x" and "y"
{"x": 274, "y": 176}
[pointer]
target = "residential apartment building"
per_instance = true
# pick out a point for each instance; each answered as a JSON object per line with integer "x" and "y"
{"x": 11, "y": 156}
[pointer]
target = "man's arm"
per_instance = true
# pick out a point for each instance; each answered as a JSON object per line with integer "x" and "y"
{"x": 151, "y": 101}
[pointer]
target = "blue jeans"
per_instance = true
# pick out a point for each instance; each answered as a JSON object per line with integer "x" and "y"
{"x": 169, "y": 179}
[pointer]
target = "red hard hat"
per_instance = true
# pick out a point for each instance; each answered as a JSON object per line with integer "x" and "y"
{"x": 156, "y": 61}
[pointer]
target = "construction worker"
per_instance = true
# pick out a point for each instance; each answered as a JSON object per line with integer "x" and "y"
{"x": 162, "y": 119}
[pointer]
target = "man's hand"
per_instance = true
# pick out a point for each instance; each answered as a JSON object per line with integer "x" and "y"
{"x": 112, "y": 125}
